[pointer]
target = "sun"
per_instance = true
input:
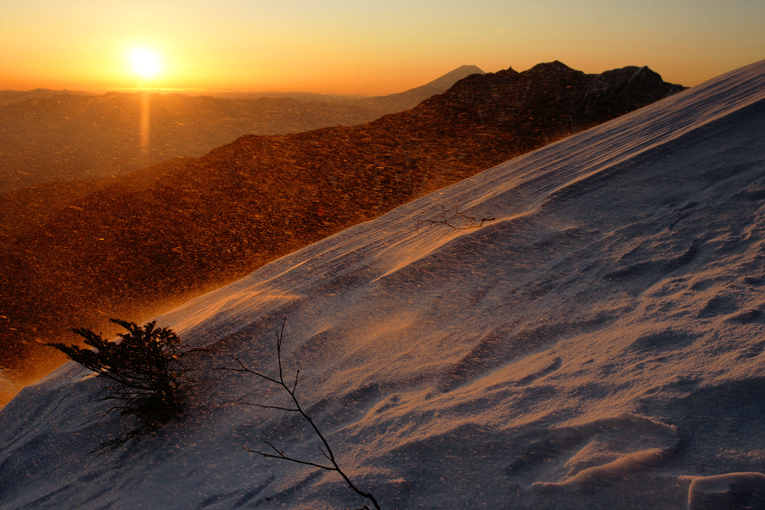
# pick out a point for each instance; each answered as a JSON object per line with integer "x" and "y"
{"x": 145, "y": 62}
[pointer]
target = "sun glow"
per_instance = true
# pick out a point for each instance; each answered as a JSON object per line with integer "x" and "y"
{"x": 145, "y": 62}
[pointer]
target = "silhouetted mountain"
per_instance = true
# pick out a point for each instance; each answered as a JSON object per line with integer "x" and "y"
{"x": 167, "y": 232}
{"x": 402, "y": 100}
{"x": 55, "y": 136}
{"x": 411, "y": 98}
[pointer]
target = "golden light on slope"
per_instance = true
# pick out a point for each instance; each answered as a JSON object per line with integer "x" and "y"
{"x": 145, "y": 62}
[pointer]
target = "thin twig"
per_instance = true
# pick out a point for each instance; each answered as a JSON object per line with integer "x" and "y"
{"x": 284, "y": 457}
{"x": 453, "y": 219}
{"x": 269, "y": 407}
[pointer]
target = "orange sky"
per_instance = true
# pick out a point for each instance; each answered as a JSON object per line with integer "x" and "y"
{"x": 339, "y": 46}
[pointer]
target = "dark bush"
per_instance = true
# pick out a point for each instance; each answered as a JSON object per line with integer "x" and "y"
{"x": 145, "y": 368}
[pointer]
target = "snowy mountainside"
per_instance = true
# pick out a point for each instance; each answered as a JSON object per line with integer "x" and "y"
{"x": 596, "y": 343}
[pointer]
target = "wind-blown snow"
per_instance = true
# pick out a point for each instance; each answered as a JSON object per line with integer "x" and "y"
{"x": 5, "y": 384}
{"x": 598, "y": 344}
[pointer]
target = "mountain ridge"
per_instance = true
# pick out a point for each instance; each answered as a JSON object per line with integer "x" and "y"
{"x": 54, "y": 136}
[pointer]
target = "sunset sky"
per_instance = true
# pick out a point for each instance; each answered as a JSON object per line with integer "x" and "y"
{"x": 344, "y": 46}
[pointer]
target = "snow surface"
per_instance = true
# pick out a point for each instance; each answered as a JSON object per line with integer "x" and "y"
{"x": 599, "y": 344}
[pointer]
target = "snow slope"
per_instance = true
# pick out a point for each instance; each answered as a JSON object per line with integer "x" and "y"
{"x": 597, "y": 344}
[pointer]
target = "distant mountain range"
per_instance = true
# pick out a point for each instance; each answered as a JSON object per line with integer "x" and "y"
{"x": 53, "y": 135}
{"x": 152, "y": 238}
{"x": 17, "y": 96}
{"x": 404, "y": 100}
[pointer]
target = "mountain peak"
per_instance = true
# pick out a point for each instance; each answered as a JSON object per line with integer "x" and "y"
{"x": 506, "y": 97}
{"x": 442, "y": 83}
{"x": 556, "y": 66}
{"x": 412, "y": 97}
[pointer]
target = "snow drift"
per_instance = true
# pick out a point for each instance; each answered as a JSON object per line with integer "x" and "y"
{"x": 597, "y": 344}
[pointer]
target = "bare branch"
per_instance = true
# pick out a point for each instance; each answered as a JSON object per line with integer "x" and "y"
{"x": 279, "y": 338}
{"x": 244, "y": 368}
{"x": 274, "y": 448}
{"x": 456, "y": 220}
{"x": 325, "y": 450}
{"x": 284, "y": 457}
{"x": 294, "y": 386}
{"x": 269, "y": 407}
